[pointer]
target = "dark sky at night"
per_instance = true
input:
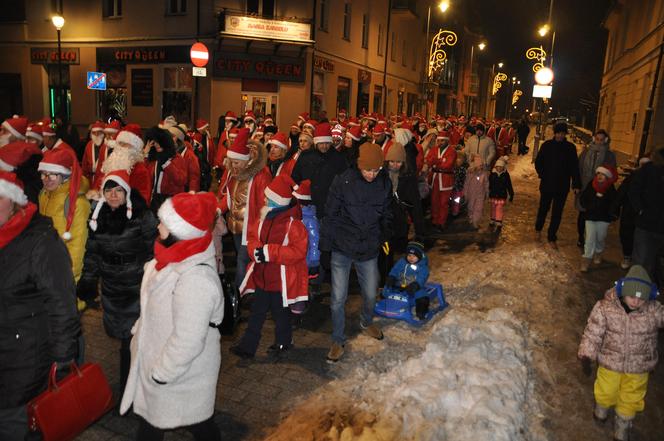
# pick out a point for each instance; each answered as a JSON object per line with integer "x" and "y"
{"x": 510, "y": 28}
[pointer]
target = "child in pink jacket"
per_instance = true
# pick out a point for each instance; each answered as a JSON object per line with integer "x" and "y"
{"x": 476, "y": 189}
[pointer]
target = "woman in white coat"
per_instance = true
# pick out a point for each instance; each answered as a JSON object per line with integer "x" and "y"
{"x": 175, "y": 349}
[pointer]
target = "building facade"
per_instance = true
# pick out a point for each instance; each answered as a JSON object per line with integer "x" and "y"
{"x": 278, "y": 57}
{"x": 636, "y": 33}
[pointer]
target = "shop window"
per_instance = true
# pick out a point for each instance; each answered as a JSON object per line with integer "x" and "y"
{"x": 362, "y": 98}
{"x": 318, "y": 95}
{"x": 393, "y": 47}
{"x": 412, "y": 102}
{"x": 112, "y": 8}
{"x": 365, "y": 31}
{"x": 347, "y": 17}
{"x": 59, "y": 89}
{"x": 378, "y": 98}
{"x": 176, "y": 7}
{"x": 324, "y": 13}
{"x": 113, "y": 100}
{"x": 177, "y": 93}
{"x": 261, "y": 7}
{"x": 343, "y": 93}
{"x": 381, "y": 39}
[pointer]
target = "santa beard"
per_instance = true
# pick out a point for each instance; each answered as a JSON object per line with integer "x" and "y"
{"x": 122, "y": 158}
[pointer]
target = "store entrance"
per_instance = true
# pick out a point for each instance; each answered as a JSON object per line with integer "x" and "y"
{"x": 260, "y": 103}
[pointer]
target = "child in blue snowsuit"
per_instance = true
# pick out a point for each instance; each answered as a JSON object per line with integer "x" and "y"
{"x": 303, "y": 195}
{"x": 409, "y": 275}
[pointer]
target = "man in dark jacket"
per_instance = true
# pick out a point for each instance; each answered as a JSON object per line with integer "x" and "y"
{"x": 357, "y": 223}
{"x": 38, "y": 318}
{"x": 556, "y": 165}
{"x": 522, "y": 131}
{"x": 647, "y": 196}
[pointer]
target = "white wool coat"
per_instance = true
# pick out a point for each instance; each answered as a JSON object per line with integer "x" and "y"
{"x": 174, "y": 343}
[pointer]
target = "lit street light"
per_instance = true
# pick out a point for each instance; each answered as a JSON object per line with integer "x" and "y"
{"x": 59, "y": 21}
{"x": 542, "y": 31}
{"x": 500, "y": 65}
{"x": 444, "y": 5}
{"x": 481, "y": 46}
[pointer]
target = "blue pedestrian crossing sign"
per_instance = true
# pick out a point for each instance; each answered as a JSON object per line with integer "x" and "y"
{"x": 96, "y": 81}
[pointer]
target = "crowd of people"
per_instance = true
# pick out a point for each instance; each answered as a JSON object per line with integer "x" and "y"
{"x": 135, "y": 218}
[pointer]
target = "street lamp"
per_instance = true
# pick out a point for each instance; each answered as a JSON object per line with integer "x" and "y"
{"x": 508, "y": 110}
{"x": 481, "y": 46}
{"x": 59, "y": 21}
{"x": 500, "y": 65}
{"x": 444, "y": 5}
{"x": 543, "y": 30}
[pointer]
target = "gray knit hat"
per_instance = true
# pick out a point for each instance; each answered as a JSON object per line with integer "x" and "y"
{"x": 639, "y": 285}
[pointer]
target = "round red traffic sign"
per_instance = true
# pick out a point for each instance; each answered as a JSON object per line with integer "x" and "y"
{"x": 199, "y": 54}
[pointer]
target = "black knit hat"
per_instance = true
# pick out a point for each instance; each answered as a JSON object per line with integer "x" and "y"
{"x": 560, "y": 127}
{"x": 415, "y": 248}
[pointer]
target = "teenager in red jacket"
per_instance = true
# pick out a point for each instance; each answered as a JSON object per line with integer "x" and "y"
{"x": 94, "y": 150}
{"x": 168, "y": 171}
{"x": 277, "y": 274}
{"x": 441, "y": 160}
{"x": 186, "y": 152}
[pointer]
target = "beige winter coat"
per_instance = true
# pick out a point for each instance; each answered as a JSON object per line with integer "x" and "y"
{"x": 619, "y": 341}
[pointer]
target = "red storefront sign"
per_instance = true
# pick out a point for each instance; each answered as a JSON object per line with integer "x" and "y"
{"x": 48, "y": 55}
{"x": 255, "y": 66}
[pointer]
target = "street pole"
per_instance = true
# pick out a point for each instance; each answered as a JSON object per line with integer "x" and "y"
{"x": 196, "y": 92}
{"x": 427, "y": 80}
{"x": 470, "y": 81}
{"x": 61, "y": 90}
{"x": 508, "y": 103}
{"x": 387, "y": 46}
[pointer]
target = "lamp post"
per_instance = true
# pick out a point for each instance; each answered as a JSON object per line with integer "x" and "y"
{"x": 495, "y": 85}
{"x": 543, "y": 77}
{"x": 59, "y": 21}
{"x": 481, "y": 47}
{"x": 444, "y": 5}
{"x": 508, "y": 109}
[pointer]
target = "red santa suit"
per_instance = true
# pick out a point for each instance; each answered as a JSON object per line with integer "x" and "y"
{"x": 441, "y": 162}
{"x": 92, "y": 152}
{"x": 193, "y": 169}
{"x": 170, "y": 179}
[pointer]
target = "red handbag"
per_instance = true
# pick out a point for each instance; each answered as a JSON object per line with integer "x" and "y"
{"x": 67, "y": 408}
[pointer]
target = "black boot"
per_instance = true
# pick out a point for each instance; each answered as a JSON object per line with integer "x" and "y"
{"x": 422, "y": 307}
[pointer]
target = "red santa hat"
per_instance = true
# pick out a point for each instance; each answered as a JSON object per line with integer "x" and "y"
{"x": 295, "y": 126}
{"x": 443, "y": 135}
{"x": 260, "y": 131}
{"x": 355, "y": 132}
{"x": 353, "y": 122}
{"x": 35, "y": 131}
{"x": 303, "y": 191}
{"x": 322, "y": 133}
{"x": 113, "y": 127}
{"x": 97, "y": 125}
{"x": 48, "y": 129}
{"x": 280, "y": 140}
{"x": 131, "y": 134}
{"x": 230, "y": 116}
{"x": 380, "y": 129}
{"x": 338, "y": 130}
{"x": 280, "y": 190}
{"x": 239, "y": 149}
{"x": 63, "y": 161}
{"x": 312, "y": 123}
{"x": 16, "y": 153}
{"x": 11, "y": 188}
{"x": 372, "y": 117}
{"x": 120, "y": 177}
{"x": 189, "y": 215}
{"x": 304, "y": 116}
{"x": 16, "y": 125}
{"x": 342, "y": 112}
{"x": 268, "y": 121}
{"x": 610, "y": 172}
{"x": 232, "y": 133}
{"x": 201, "y": 124}
{"x": 249, "y": 115}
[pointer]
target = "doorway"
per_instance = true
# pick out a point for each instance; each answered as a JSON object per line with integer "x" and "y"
{"x": 260, "y": 103}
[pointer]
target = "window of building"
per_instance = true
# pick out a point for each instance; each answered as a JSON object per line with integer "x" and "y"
{"x": 113, "y": 101}
{"x": 415, "y": 59}
{"x": 112, "y": 8}
{"x": 378, "y": 98}
{"x": 176, "y": 7}
{"x": 324, "y": 13}
{"x": 177, "y": 93}
{"x": 261, "y": 7}
{"x": 347, "y": 18}
{"x": 393, "y": 48}
{"x": 14, "y": 14}
{"x": 365, "y": 31}
{"x": 381, "y": 39}
{"x": 404, "y": 51}
{"x": 318, "y": 95}
{"x": 343, "y": 93}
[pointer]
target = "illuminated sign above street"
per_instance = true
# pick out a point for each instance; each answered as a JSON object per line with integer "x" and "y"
{"x": 269, "y": 29}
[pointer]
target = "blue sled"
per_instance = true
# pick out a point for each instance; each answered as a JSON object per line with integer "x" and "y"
{"x": 399, "y": 306}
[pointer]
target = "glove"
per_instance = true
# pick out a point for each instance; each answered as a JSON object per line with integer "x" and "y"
{"x": 386, "y": 248}
{"x": 586, "y": 366}
{"x": 412, "y": 288}
{"x": 259, "y": 255}
{"x": 391, "y": 282}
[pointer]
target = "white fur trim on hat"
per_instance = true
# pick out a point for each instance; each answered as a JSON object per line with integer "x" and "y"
{"x": 605, "y": 171}
{"x": 319, "y": 139}
{"x": 177, "y": 132}
{"x": 278, "y": 143}
{"x": 130, "y": 138}
{"x": 235, "y": 155}
{"x": 302, "y": 197}
{"x": 176, "y": 224}
{"x": 271, "y": 195}
{"x": 6, "y": 167}
{"x": 13, "y": 192}
{"x": 12, "y": 130}
{"x": 35, "y": 135}
{"x": 53, "y": 168}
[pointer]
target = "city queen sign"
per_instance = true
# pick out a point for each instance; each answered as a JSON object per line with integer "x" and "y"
{"x": 260, "y": 67}
{"x": 268, "y": 29}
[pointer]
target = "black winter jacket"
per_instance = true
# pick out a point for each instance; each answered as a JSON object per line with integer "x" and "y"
{"x": 623, "y": 204}
{"x": 320, "y": 169}
{"x": 358, "y": 216}
{"x": 599, "y": 208}
{"x": 116, "y": 254}
{"x": 38, "y": 319}
{"x": 647, "y": 195}
{"x": 500, "y": 186}
{"x": 556, "y": 165}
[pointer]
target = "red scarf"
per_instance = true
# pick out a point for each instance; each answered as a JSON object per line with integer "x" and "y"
{"x": 602, "y": 187}
{"x": 180, "y": 250}
{"x": 16, "y": 224}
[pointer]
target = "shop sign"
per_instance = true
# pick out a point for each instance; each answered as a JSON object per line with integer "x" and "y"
{"x": 323, "y": 64}
{"x": 363, "y": 76}
{"x": 143, "y": 55}
{"x": 264, "y": 28}
{"x": 49, "y": 55}
{"x": 255, "y": 66}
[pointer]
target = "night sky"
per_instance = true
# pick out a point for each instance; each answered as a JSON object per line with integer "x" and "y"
{"x": 510, "y": 28}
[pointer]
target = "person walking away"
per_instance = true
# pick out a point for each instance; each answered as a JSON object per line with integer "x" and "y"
{"x": 476, "y": 189}
{"x": 277, "y": 274}
{"x": 598, "y": 201}
{"x": 358, "y": 221}
{"x": 625, "y": 209}
{"x": 646, "y": 193}
{"x": 38, "y": 299}
{"x": 441, "y": 160}
{"x": 557, "y": 165}
{"x": 121, "y": 236}
{"x": 500, "y": 189}
{"x": 621, "y": 336}
{"x": 596, "y": 154}
{"x": 460, "y": 170}
{"x": 175, "y": 349}
{"x": 522, "y": 131}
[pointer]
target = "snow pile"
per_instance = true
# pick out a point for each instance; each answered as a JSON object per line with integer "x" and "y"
{"x": 471, "y": 383}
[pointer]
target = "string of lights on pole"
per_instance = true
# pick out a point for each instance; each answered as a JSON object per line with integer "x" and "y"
{"x": 497, "y": 82}
{"x": 437, "y": 54}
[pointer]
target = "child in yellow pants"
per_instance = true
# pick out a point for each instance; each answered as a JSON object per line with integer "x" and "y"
{"x": 625, "y": 357}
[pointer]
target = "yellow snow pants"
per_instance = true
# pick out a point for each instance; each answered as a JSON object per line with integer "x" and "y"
{"x": 624, "y": 391}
